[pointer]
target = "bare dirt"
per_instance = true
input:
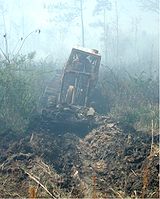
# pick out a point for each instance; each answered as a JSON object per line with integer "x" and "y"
{"x": 108, "y": 162}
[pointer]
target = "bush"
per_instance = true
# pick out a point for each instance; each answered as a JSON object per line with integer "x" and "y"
{"x": 22, "y": 82}
{"x": 132, "y": 99}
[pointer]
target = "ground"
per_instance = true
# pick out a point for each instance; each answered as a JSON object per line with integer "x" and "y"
{"x": 108, "y": 162}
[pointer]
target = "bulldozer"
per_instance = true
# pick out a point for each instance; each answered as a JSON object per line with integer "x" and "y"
{"x": 70, "y": 107}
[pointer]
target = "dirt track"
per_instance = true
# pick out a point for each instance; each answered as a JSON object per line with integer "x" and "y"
{"x": 105, "y": 163}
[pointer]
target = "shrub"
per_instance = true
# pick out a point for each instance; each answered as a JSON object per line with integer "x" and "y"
{"x": 22, "y": 82}
{"x": 132, "y": 99}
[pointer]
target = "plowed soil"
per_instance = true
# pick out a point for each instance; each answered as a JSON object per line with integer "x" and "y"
{"x": 108, "y": 162}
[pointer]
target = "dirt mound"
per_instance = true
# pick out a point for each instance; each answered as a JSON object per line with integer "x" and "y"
{"x": 122, "y": 162}
{"x": 105, "y": 163}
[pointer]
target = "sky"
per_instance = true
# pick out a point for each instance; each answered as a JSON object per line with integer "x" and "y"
{"x": 24, "y": 16}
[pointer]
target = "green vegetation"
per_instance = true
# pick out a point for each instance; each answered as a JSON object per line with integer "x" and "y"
{"x": 22, "y": 82}
{"x": 132, "y": 99}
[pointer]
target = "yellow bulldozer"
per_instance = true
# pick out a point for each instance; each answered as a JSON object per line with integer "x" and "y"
{"x": 72, "y": 109}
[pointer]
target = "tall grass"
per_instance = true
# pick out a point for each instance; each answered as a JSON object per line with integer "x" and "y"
{"x": 22, "y": 82}
{"x": 132, "y": 99}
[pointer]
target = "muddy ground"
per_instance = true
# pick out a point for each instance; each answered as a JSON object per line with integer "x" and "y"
{"x": 108, "y": 162}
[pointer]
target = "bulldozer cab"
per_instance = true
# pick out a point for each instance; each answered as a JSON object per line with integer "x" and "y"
{"x": 80, "y": 76}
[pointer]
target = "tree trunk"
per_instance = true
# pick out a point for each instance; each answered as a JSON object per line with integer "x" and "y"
{"x": 82, "y": 23}
{"x": 117, "y": 32}
{"x": 105, "y": 39}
